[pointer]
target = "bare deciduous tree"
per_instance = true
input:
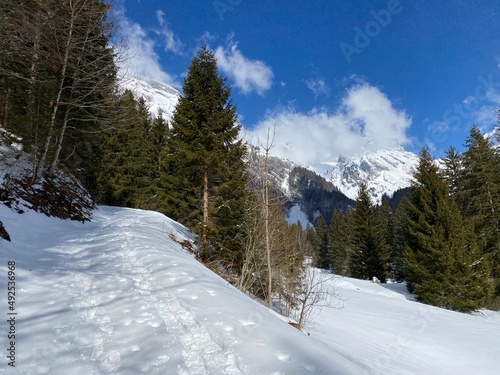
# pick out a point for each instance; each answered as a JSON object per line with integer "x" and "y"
{"x": 317, "y": 291}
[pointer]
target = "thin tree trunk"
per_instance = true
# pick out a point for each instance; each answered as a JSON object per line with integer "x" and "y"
{"x": 266, "y": 221}
{"x": 205, "y": 211}
{"x": 55, "y": 161}
{"x": 56, "y": 102}
{"x": 34, "y": 126}
{"x": 5, "y": 109}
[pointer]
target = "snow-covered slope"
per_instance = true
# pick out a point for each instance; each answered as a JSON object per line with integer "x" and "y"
{"x": 158, "y": 95}
{"x": 382, "y": 327}
{"x": 119, "y": 296}
{"x": 60, "y": 194}
{"x": 384, "y": 172}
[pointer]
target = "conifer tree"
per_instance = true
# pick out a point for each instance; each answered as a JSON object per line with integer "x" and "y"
{"x": 453, "y": 169}
{"x": 400, "y": 227}
{"x": 441, "y": 257}
{"x": 125, "y": 164}
{"x": 339, "y": 243}
{"x": 387, "y": 225}
{"x": 478, "y": 195}
{"x": 206, "y": 166}
{"x": 370, "y": 252}
{"x": 321, "y": 243}
{"x": 154, "y": 192}
{"x": 386, "y": 219}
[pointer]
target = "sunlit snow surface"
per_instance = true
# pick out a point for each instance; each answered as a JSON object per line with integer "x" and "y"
{"x": 118, "y": 296}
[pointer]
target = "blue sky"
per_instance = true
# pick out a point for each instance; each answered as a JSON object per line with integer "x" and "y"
{"x": 335, "y": 77}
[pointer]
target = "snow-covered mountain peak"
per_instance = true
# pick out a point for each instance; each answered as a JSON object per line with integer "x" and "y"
{"x": 158, "y": 95}
{"x": 494, "y": 137}
{"x": 384, "y": 172}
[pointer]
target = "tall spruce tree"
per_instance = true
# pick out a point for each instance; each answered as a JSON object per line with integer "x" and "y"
{"x": 321, "y": 243}
{"x": 386, "y": 219}
{"x": 478, "y": 195}
{"x": 370, "y": 257}
{"x": 339, "y": 243}
{"x": 453, "y": 169}
{"x": 154, "y": 192}
{"x": 207, "y": 170}
{"x": 400, "y": 226}
{"x": 125, "y": 164}
{"x": 443, "y": 263}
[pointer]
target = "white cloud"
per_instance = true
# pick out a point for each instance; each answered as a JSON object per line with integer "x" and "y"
{"x": 172, "y": 43}
{"x": 318, "y": 86}
{"x": 486, "y": 116}
{"x": 140, "y": 58}
{"x": 160, "y": 16}
{"x": 365, "y": 120}
{"x": 207, "y": 37}
{"x": 482, "y": 111}
{"x": 248, "y": 75}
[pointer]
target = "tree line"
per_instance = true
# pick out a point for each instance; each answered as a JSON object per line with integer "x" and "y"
{"x": 443, "y": 238}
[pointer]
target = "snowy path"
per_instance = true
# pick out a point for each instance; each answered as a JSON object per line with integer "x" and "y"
{"x": 117, "y": 296}
{"x": 103, "y": 281}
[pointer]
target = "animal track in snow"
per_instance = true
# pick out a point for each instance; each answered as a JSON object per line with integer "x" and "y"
{"x": 283, "y": 357}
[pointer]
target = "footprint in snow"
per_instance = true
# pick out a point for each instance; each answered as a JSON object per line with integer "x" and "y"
{"x": 283, "y": 357}
{"x": 111, "y": 361}
{"x": 311, "y": 368}
{"x": 135, "y": 348}
{"x": 155, "y": 323}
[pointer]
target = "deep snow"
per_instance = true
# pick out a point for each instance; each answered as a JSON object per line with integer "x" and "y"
{"x": 118, "y": 296}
